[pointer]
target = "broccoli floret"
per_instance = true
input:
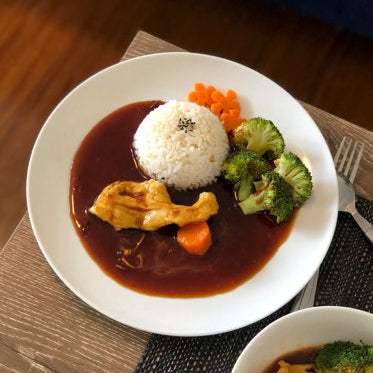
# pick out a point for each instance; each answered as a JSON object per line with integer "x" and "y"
{"x": 343, "y": 357}
{"x": 260, "y": 135}
{"x": 244, "y": 161}
{"x": 274, "y": 196}
{"x": 244, "y": 187}
{"x": 369, "y": 363}
{"x": 294, "y": 171}
{"x": 242, "y": 167}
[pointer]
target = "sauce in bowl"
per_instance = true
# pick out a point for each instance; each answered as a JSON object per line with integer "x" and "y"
{"x": 241, "y": 245}
{"x": 302, "y": 356}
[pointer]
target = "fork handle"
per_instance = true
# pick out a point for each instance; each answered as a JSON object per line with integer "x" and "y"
{"x": 306, "y": 298}
{"x": 366, "y": 227}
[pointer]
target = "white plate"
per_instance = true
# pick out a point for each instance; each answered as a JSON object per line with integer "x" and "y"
{"x": 171, "y": 76}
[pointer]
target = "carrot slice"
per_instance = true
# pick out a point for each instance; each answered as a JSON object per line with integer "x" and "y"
{"x": 195, "y": 238}
{"x": 231, "y": 120}
{"x": 201, "y": 95}
{"x": 224, "y": 106}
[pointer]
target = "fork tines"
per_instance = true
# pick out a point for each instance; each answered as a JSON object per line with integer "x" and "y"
{"x": 344, "y": 153}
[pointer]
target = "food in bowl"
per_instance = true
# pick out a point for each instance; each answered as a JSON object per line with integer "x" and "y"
{"x": 148, "y": 201}
{"x": 335, "y": 357}
{"x": 296, "y": 339}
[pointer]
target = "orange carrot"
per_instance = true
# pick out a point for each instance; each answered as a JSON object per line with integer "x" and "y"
{"x": 195, "y": 238}
{"x": 225, "y": 107}
{"x": 231, "y": 120}
{"x": 201, "y": 95}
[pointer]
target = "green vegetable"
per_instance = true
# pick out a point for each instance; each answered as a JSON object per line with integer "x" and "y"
{"x": 260, "y": 135}
{"x": 242, "y": 167}
{"x": 293, "y": 170}
{"x": 274, "y": 195}
{"x": 344, "y": 357}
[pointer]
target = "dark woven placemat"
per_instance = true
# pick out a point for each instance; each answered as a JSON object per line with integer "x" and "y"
{"x": 346, "y": 279}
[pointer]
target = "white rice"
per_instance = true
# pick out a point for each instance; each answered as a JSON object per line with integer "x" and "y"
{"x": 181, "y": 144}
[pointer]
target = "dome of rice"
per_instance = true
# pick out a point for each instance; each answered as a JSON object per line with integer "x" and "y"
{"x": 181, "y": 144}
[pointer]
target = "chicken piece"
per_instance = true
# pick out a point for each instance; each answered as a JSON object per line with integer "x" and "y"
{"x": 297, "y": 368}
{"x": 148, "y": 206}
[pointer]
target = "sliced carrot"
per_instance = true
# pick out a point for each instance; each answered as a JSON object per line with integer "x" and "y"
{"x": 224, "y": 106}
{"x": 201, "y": 95}
{"x": 231, "y": 120}
{"x": 195, "y": 238}
{"x": 231, "y": 95}
{"x": 224, "y": 103}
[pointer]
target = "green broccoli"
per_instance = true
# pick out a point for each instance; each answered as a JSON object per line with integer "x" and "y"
{"x": 344, "y": 357}
{"x": 260, "y": 135}
{"x": 242, "y": 167}
{"x": 275, "y": 196}
{"x": 244, "y": 187}
{"x": 293, "y": 170}
{"x": 369, "y": 363}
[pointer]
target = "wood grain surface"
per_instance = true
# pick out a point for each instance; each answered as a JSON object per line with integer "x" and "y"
{"x": 46, "y": 328}
{"x": 333, "y": 130}
{"x": 45, "y": 325}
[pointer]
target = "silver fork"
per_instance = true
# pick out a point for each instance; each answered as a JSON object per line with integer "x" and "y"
{"x": 346, "y": 177}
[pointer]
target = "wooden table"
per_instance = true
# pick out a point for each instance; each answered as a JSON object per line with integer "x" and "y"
{"x": 46, "y": 328}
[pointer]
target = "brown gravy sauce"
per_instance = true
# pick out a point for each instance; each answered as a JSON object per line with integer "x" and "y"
{"x": 303, "y": 356}
{"x": 241, "y": 246}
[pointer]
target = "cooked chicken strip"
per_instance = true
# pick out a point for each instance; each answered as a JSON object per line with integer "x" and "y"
{"x": 147, "y": 206}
